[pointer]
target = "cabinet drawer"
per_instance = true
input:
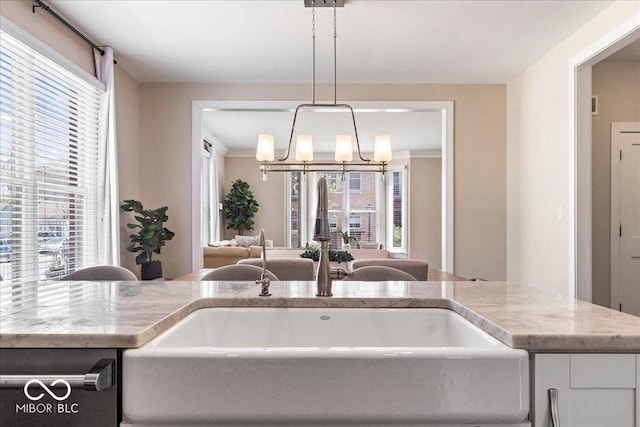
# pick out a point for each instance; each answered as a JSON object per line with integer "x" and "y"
{"x": 603, "y": 371}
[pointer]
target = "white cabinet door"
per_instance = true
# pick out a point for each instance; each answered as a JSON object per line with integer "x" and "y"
{"x": 599, "y": 390}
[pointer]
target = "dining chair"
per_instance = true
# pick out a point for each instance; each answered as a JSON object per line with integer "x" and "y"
{"x": 101, "y": 272}
{"x": 415, "y": 267}
{"x": 286, "y": 268}
{"x": 378, "y": 273}
{"x": 237, "y": 272}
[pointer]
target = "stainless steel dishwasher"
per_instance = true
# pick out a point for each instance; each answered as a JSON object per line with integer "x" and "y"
{"x": 59, "y": 387}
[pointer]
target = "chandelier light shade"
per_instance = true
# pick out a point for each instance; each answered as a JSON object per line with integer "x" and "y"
{"x": 304, "y": 148}
{"x": 344, "y": 149}
{"x": 266, "y": 149}
{"x": 382, "y": 149}
{"x": 265, "y": 152}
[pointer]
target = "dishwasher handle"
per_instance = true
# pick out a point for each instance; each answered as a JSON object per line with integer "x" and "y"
{"x": 100, "y": 377}
{"x": 553, "y": 407}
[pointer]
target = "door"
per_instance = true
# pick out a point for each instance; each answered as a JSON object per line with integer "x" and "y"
{"x": 625, "y": 217}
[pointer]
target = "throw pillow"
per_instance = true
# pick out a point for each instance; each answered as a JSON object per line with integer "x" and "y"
{"x": 247, "y": 241}
{"x": 374, "y": 245}
{"x": 220, "y": 244}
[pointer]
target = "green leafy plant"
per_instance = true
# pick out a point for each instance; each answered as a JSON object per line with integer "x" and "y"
{"x": 346, "y": 238}
{"x": 152, "y": 234}
{"x": 240, "y": 207}
{"x": 397, "y": 236}
{"x": 313, "y": 252}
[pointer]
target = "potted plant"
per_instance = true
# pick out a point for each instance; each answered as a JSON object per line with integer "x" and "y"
{"x": 239, "y": 207}
{"x": 313, "y": 252}
{"x": 57, "y": 268}
{"x": 347, "y": 239}
{"x": 151, "y": 236}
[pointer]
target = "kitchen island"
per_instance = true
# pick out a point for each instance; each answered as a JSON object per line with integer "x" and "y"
{"x": 129, "y": 314}
{"x": 588, "y": 352}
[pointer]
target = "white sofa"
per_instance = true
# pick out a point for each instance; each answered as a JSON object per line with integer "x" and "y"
{"x": 286, "y": 268}
{"x": 214, "y": 257}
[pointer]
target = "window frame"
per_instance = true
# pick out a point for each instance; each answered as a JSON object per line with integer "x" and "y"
{"x": 39, "y": 66}
{"x": 404, "y": 248}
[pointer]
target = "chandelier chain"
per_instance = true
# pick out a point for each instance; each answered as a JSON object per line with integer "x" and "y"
{"x": 335, "y": 68}
{"x": 304, "y": 163}
{"x": 313, "y": 36}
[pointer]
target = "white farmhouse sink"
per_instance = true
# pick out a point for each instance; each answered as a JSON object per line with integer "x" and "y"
{"x": 325, "y": 365}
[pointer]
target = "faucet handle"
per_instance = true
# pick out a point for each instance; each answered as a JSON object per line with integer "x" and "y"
{"x": 265, "y": 282}
{"x": 339, "y": 273}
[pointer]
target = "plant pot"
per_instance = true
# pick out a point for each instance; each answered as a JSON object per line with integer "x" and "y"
{"x": 54, "y": 273}
{"x": 346, "y": 246}
{"x": 151, "y": 270}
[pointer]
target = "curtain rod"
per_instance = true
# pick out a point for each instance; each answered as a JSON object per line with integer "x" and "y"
{"x": 68, "y": 25}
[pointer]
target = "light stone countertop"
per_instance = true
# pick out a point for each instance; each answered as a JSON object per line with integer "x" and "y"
{"x": 129, "y": 314}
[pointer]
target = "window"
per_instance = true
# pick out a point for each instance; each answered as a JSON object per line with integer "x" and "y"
{"x": 207, "y": 214}
{"x": 210, "y": 215}
{"x": 397, "y": 207}
{"x": 356, "y": 210}
{"x": 355, "y": 182}
{"x": 295, "y": 209}
{"x": 374, "y": 212}
{"x": 50, "y": 173}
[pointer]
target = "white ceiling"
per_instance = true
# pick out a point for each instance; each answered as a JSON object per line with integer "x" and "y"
{"x": 379, "y": 41}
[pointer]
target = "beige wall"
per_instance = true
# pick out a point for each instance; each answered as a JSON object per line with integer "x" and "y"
{"x": 538, "y": 159}
{"x": 425, "y": 210}
{"x": 128, "y": 131}
{"x": 48, "y": 30}
{"x": 480, "y": 138}
{"x": 617, "y": 85}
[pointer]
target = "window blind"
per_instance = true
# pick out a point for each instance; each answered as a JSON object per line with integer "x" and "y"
{"x": 50, "y": 173}
{"x": 207, "y": 211}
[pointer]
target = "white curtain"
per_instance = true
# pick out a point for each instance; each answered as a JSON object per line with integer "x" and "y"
{"x": 109, "y": 218}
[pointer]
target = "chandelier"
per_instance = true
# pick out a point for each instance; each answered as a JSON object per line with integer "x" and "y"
{"x": 304, "y": 163}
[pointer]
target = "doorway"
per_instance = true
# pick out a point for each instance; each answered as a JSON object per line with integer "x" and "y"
{"x": 625, "y": 217}
{"x": 581, "y": 280}
{"x": 445, "y": 108}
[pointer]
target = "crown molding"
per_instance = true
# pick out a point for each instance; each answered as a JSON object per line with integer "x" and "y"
{"x": 426, "y": 154}
{"x": 418, "y": 154}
